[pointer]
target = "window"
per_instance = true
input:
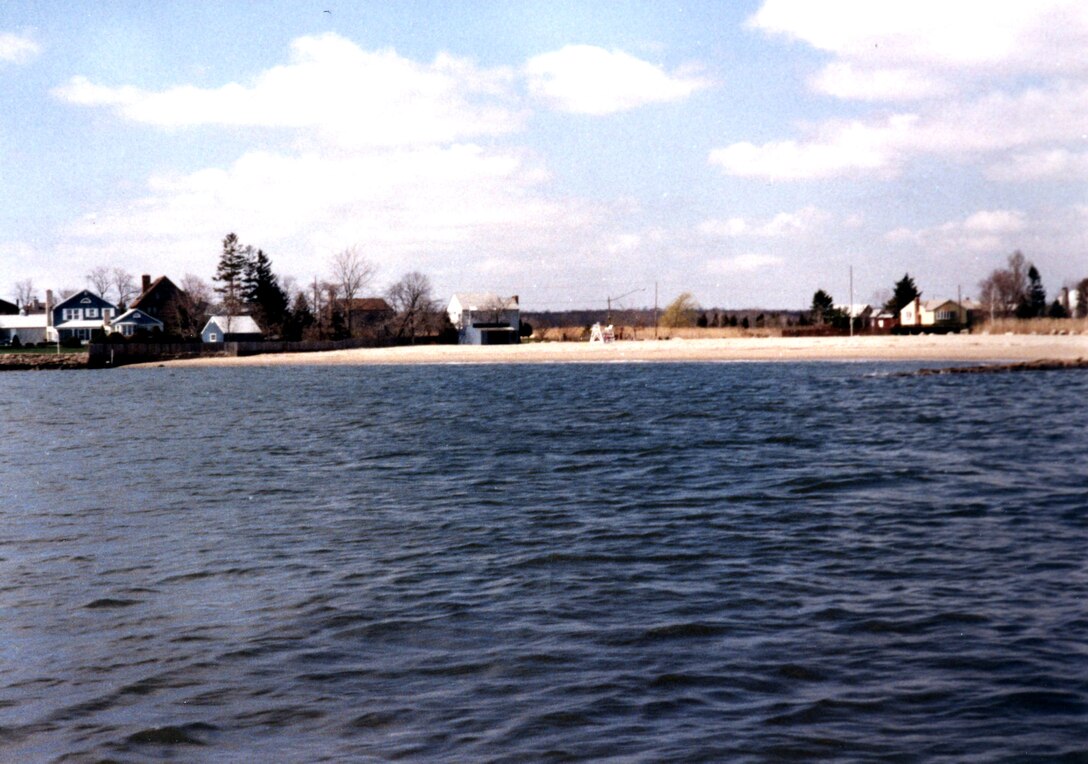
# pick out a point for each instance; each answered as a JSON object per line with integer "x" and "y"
{"x": 91, "y": 313}
{"x": 126, "y": 330}
{"x": 85, "y": 301}
{"x": 213, "y": 337}
{"x": 107, "y": 312}
{"x": 72, "y": 314}
{"x": 946, "y": 315}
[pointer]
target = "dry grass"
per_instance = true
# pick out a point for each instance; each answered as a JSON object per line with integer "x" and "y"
{"x": 1033, "y": 326}
{"x": 581, "y": 334}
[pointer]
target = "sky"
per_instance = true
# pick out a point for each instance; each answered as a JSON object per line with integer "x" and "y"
{"x": 569, "y": 152}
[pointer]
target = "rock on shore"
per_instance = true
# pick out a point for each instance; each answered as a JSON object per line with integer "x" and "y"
{"x": 1045, "y": 364}
{"x": 38, "y": 361}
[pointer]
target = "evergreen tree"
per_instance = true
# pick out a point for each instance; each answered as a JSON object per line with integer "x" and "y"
{"x": 232, "y": 267}
{"x": 299, "y": 320}
{"x": 1035, "y": 300}
{"x": 823, "y": 307}
{"x": 263, "y": 293}
{"x": 905, "y": 293}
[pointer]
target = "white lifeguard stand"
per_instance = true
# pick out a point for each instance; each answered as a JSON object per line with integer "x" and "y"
{"x": 597, "y": 333}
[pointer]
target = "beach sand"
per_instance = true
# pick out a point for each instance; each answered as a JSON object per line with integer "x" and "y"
{"x": 975, "y": 348}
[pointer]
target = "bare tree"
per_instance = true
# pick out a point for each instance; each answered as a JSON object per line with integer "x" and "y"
{"x": 1005, "y": 288}
{"x": 415, "y": 307}
{"x": 100, "y": 280}
{"x": 24, "y": 293}
{"x": 124, "y": 285}
{"x": 352, "y": 273}
{"x": 193, "y": 305}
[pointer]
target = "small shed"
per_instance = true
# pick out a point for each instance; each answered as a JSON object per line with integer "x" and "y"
{"x": 231, "y": 329}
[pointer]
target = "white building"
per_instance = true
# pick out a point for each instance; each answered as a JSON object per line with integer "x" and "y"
{"x": 484, "y": 318}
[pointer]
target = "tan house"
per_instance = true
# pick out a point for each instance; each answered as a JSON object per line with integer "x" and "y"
{"x": 935, "y": 314}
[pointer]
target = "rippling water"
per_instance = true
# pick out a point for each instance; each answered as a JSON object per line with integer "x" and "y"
{"x": 645, "y": 562}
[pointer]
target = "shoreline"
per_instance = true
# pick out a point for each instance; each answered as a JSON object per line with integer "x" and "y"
{"x": 951, "y": 348}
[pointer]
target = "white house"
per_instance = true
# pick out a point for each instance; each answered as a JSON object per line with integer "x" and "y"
{"x": 484, "y": 318}
{"x": 26, "y": 329}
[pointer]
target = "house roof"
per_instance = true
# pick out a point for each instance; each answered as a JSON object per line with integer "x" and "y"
{"x": 375, "y": 304}
{"x": 78, "y": 297}
{"x": 33, "y": 321}
{"x": 855, "y": 310}
{"x": 234, "y": 325}
{"x": 483, "y": 301}
{"x": 160, "y": 282}
{"x": 138, "y": 317}
{"x": 932, "y": 305}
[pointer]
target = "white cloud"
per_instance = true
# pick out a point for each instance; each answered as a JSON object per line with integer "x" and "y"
{"x": 746, "y": 263}
{"x": 1046, "y": 164}
{"x": 589, "y": 80}
{"x": 995, "y": 221}
{"x": 981, "y": 232}
{"x": 437, "y": 209}
{"x": 801, "y": 222}
{"x": 349, "y": 96}
{"x": 982, "y": 78}
{"x": 838, "y": 148}
{"x": 17, "y": 49}
{"x": 849, "y": 81}
{"x": 1044, "y": 116}
{"x": 936, "y": 40}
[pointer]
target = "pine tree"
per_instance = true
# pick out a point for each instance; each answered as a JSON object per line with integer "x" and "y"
{"x": 906, "y": 291}
{"x": 1036, "y": 297}
{"x": 263, "y": 294}
{"x": 823, "y": 307}
{"x": 232, "y": 266}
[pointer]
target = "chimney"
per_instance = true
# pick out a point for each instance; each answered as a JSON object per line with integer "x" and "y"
{"x": 146, "y": 283}
{"x": 48, "y": 307}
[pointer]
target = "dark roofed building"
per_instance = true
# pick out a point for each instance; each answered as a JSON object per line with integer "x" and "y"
{"x": 164, "y": 300}
{"x": 369, "y": 314}
{"x": 8, "y": 308}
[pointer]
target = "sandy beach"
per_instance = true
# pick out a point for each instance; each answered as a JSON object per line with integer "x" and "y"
{"x": 936, "y": 348}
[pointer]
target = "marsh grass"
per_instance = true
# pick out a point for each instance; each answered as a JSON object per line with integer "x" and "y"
{"x": 1033, "y": 326}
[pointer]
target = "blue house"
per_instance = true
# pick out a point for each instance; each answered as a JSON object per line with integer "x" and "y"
{"x": 79, "y": 315}
{"x": 231, "y": 329}
{"x": 131, "y": 321}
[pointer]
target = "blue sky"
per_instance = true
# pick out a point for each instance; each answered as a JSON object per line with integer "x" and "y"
{"x": 749, "y": 152}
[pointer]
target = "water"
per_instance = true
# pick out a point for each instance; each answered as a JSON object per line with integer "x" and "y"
{"x": 706, "y": 562}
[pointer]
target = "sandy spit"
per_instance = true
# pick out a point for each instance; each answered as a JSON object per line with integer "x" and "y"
{"x": 936, "y": 348}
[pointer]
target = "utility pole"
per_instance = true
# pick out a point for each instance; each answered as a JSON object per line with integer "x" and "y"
{"x": 850, "y": 308}
{"x": 625, "y": 294}
{"x": 655, "y": 310}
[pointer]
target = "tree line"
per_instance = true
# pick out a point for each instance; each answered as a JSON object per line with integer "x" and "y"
{"x": 326, "y": 309}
